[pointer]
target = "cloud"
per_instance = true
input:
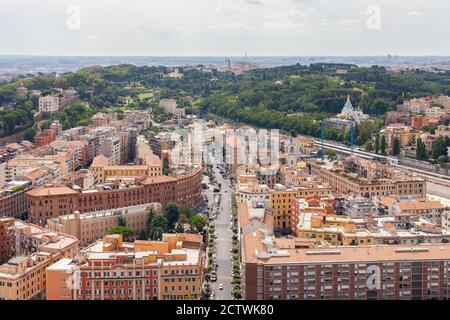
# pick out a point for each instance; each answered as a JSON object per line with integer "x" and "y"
{"x": 255, "y": 2}
{"x": 415, "y": 13}
{"x": 283, "y": 26}
{"x": 235, "y": 25}
{"x": 324, "y": 22}
{"x": 348, "y": 21}
{"x": 295, "y": 13}
{"x": 225, "y": 10}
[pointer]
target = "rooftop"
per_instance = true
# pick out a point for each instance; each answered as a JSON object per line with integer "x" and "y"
{"x": 257, "y": 251}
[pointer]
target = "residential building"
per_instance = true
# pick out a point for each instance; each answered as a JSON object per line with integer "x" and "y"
{"x": 50, "y": 202}
{"x": 93, "y": 226}
{"x": 275, "y": 270}
{"x": 49, "y": 104}
{"x": 171, "y": 269}
{"x": 358, "y": 177}
{"x": 27, "y": 252}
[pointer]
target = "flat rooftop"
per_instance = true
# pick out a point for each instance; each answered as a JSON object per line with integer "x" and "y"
{"x": 255, "y": 248}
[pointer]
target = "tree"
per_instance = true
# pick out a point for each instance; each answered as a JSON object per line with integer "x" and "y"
{"x": 142, "y": 235}
{"x": 179, "y": 228}
{"x": 121, "y": 221}
{"x": 197, "y": 223}
{"x": 172, "y": 214}
{"x": 421, "y": 151}
{"x": 29, "y": 134}
{"x": 183, "y": 218}
{"x": 125, "y": 231}
{"x": 187, "y": 211}
{"x": 383, "y": 145}
{"x": 447, "y": 141}
{"x": 439, "y": 149}
{"x": 365, "y": 129}
{"x": 377, "y": 143}
{"x": 442, "y": 159}
{"x": 330, "y": 153}
{"x": 368, "y": 146}
{"x": 395, "y": 147}
{"x": 156, "y": 225}
{"x": 44, "y": 125}
{"x": 166, "y": 167}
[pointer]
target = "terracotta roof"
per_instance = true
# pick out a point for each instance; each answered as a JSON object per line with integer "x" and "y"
{"x": 34, "y": 174}
{"x": 243, "y": 213}
{"x": 100, "y": 160}
{"x": 420, "y": 204}
{"x": 158, "y": 179}
{"x": 152, "y": 159}
{"x": 387, "y": 201}
{"x": 50, "y": 191}
{"x": 125, "y": 167}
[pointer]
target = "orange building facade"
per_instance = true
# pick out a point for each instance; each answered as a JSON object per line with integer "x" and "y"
{"x": 171, "y": 269}
{"x": 51, "y": 202}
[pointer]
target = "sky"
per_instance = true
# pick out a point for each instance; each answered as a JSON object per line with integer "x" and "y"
{"x": 225, "y": 27}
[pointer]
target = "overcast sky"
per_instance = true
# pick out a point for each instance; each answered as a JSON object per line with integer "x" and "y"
{"x": 224, "y": 27}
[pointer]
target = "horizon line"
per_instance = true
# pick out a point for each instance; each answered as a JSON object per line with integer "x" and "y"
{"x": 220, "y": 56}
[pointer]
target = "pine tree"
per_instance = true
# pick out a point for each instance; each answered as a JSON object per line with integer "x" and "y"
{"x": 421, "y": 151}
{"x": 377, "y": 143}
{"x": 396, "y": 147}
{"x": 383, "y": 145}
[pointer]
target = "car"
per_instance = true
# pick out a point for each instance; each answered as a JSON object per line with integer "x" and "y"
{"x": 213, "y": 278}
{"x": 220, "y": 286}
{"x": 216, "y": 234}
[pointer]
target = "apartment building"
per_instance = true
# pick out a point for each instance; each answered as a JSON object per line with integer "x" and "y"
{"x": 151, "y": 167}
{"x": 281, "y": 199}
{"x": 93, "y": 226}
{"x": 13, "y": 201}
{"x": 49, "y": 104}
{"x": 277, "y": 270}
{"x": 313, "y": 219}
{"x": 27, "y": 251}
{"x": 171, "y": 269}
{"x": 430, "y": 209}
{"x": 111, "y": 148}
{"x": 101, "y": 119}
{"x": 417, "y": 105}
{"x": 44, "y": 137}
{"x": 50, "y": 202}
{"x": 405, "y": 135}
{"x": 369, "y": 180}
{"x": 170, "y": 106}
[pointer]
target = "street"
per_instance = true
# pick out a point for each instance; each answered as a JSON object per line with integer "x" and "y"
{"x": 224, "y": 239}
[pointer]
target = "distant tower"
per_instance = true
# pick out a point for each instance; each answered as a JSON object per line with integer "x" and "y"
{"x": 291, "y": 153}
{"x": 228, "y": 64}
